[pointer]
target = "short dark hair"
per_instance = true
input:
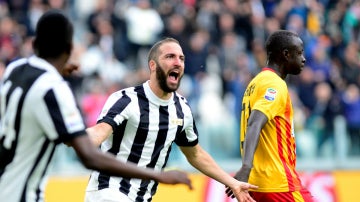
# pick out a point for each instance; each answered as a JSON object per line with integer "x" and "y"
{"x": 154, "y": 51}
{"x": 53, "y": 35}
{"x": 278, "y": 41}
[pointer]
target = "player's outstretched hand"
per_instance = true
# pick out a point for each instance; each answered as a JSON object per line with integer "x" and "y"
{"x": 241, "y": 192}
{"x": 175, "y": 177}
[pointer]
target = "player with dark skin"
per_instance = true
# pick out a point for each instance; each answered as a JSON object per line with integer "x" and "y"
{"x": 283, "y": 59}
{"x": 287, "y": 62}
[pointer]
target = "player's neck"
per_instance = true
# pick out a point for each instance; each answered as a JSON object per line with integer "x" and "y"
{"x": 155, "y": 88}
{"x": 276, "y": 69}
{"x": 58, "y": 62}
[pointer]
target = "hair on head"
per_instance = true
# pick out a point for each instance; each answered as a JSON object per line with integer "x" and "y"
{"x": 154, "y": 51}
{"x": 53, "y": 35}
{"x": 278, "y": 41}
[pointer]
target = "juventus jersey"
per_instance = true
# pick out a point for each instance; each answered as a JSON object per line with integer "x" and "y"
{"x": 144, "y": 129}
{"x": 38, "y": 110}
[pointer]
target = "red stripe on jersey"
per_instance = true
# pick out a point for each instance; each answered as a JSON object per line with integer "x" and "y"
{"x": 281, "y": 154}
{"x": 289, "y": 144}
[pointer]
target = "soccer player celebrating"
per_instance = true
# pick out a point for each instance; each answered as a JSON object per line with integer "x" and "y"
{"x": 139, "y": 124}
{"x": 38, "y": 111}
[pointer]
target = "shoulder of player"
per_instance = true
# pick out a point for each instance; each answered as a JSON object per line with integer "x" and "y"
{"x": 181, "y": 98}
{"x": 125, "y": 91}
{"x": 266, "y": 78}
{"x": 11, "y": 66}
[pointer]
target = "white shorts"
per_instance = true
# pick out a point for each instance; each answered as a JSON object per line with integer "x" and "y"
{"x": 106, "y": 195}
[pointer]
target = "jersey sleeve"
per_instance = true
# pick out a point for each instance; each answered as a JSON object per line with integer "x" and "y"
{"x": 189, "y": 133}
{"x": 60, "y": 115}
{"x": 115, "y": 109}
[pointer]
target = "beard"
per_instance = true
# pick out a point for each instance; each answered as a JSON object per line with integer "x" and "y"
{"x": 161, "y": 77}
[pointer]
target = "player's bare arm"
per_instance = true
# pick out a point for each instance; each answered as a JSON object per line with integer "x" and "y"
{"x": 202, "y": 161}
{"x": 256, "y": 122}
{"x": 99, "y": 132}
{"x": 93, "y": 158}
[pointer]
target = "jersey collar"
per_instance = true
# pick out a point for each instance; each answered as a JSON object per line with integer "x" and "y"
{"x": 267, "y": 68}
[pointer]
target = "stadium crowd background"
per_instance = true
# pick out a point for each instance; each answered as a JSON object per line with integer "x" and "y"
{"x": 223, "y": 42}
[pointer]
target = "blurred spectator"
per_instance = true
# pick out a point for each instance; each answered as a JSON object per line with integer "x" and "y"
{"x": 104, "y": 19}
{"x": 351, "y": 27}
{"x": 4, "y": 9}
{"x": 257, "y": 20}
{"x": 177, "y": 27}
{"x": 36, "y": 9}
{"x": 351, "y": 64}
{"x": 258, "y": 54}
{"x": 198, "y": 50}
{"x": 322, "y": 117}
{"x": 144, "y": 27}
{"x": 216, "y": 120}
{"x": 206, "y": 16}
{"x": 351, "y": 105}
{"x": 305, "y": 144}
{"x": 94, "y": 98}
{"x": 231, "y": 46}
{"x": 10, "y": 39}
{"x": 315, "y": 17}
{"x": 225, "y": 24}
{"x": 243, "y": 13}
{"x": 235, "y": 65}
{"x": 18, "y": 10}
{"x": 98, "y": 59}
{"x": 59, "y": 4}
{"x": 332, "y": 27}
{"x": 318, "y": 58}
{"x": 195, "y": 63}
{"x": 306, "y": 88}
{"x": 271, "y": 25}
{"x": 222, "y": 39}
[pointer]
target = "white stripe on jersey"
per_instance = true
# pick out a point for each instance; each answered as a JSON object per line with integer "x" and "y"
{"x": 32, "y": 92}
{"x": 144, "y": 129}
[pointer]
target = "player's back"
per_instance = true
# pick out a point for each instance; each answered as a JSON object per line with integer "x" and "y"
{"x": 25, "y": 150}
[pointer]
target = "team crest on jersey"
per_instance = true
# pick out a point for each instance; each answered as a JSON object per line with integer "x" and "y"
{"x": 178, "y": 122}
{"x": 270, "y": 94}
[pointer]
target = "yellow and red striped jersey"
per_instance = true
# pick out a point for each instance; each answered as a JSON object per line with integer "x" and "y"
{"x": 275, "y": 157}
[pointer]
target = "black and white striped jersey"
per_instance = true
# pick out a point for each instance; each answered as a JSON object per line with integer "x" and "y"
{"x": 38, "y": 110}
{"x": 144, "y": 128}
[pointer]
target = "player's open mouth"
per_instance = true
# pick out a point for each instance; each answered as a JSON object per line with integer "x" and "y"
{"x": 173, "y": 76}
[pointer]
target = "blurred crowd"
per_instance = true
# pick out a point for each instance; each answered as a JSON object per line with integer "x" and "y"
{"x": 223, "y": 42}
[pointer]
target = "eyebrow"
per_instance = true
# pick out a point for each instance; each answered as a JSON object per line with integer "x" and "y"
{"x": 174, "y": 54}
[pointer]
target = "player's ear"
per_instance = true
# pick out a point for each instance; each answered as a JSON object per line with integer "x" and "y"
{"x": 152, "y": 65}
{"x": 285, "y": 53}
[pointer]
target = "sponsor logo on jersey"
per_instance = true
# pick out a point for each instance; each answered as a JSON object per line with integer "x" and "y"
{"x": 270, "y": 94}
